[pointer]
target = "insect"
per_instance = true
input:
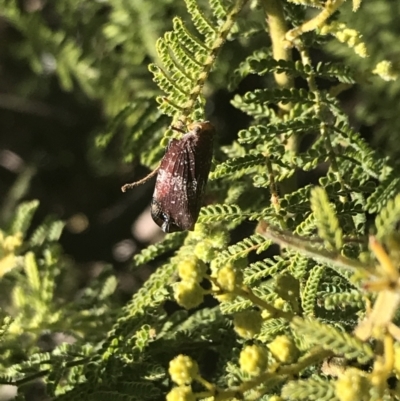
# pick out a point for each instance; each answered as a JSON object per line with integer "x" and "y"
{"x": 182, "y": 179}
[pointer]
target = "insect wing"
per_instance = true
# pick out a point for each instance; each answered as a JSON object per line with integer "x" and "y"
{"x": 182, "y": 178}
{"x": 170, "y": 204}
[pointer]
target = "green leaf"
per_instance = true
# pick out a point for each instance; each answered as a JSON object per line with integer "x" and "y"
{"x": 309, "y": 390}
{"x": 214, "y": 213}
{"x": 238, "y": 166}
{"x": 309, "y": 293}
{"x": 388, "y": 218}
{"x": 327, "y": 222}
{"x": 344, "y": 299}
{"x": 253, "y": 103}
{"x": 32, "y": 272}
{"x": 23, "y": 217}
{"x": 170, "y": 242}
{"x": 329, "y": 338}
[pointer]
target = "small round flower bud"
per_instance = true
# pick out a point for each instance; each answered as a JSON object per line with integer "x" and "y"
{"x": 265, "y": 314}
{"x": 275, "y": 398}
{"x": 229, "y": 278}
{"x": 284, "y": 349}
{"x": 224, "y": 297}
{"x": 385, "y": 70}
{"x": 352, "y": 41}
{"x": 182, "y": 393}
{"x": 188, "y": 294}
{"x": 10, "y": 243}
{"x": 279, "y": 303}
{"x": 183, "y": 370}
{"x": 247, "y": 323}
{"x": 350, "y": 33}
{"x": 219, "y": 239}
{"x": 205, "y": 251}
{"x": 361, "y": 50}
{"x": 253, "y": 359}
{"x": 352, "y": 386}
{"x": 200, "y": 231}
{"x": 228, "y": 297}
{"x": 192, "y": 269}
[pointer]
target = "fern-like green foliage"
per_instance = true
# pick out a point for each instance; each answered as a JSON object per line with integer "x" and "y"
{"x": 283, "y": 238}
{"x": 310, "y": 389}
{"x": 327, "y": 222}
{"x": 310, "y": 290}
{"x": 331, "y": 339}
{"x": 35, "y": 263}
{"x": 153, "y": 251}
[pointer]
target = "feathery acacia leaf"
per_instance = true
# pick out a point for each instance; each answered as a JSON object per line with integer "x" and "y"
{"x": 344, "y": 299}
{"x": 263, "y": 132}
{"x": 326, "y": 220}
{"x": 388, "y": 218}
{"x": 297, "y": 136}
{"x": 242, "y": 249}
{"x": 230, "y": 213}
{"x": 23, "y": 216}
{"x": 170, "y": 242}
{"x": 266, "y": 96}
{"x": 310, "y": 389}
{"x": 309, "y": 293}
{"x": 238, "y": 166}
{"x": 330, "y": 338}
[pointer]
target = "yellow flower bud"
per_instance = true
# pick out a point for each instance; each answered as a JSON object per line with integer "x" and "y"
{"x": 385, "y": 70}
{"x": 182, "y": 393}
{"x": 192, "y": 269}
{"x": 253, "y": 359}
{"x": 188, "y": 294}
{"x": 183, "y": 370}
{"x": 11, "y": 242}
{"x": 352, "y": 386}
{"x": 361, "y": 50}
{"x": 229, "y": 278}
{"x": 284, "y": 349}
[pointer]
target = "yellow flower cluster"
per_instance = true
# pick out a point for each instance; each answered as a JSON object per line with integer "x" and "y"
{"x": 188, "y": 292}
{"x": 227, "y": 278}
{"x": 284, "y": 349}
{"x": 209, "y": 242}
{"x": 183, "y": 370}
{"x": 352, "y": 386}
{"x": 346, "y": 35}
{"x": 192, "y": 269}
{"x": 181, "y": 393}
{"x": 253, "y": 359}
{"x": 8, "y": 245}
{"x": 385, "y": 70}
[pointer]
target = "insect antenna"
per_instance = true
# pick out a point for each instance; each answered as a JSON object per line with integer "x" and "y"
{"x": 131, "y": 185}
{"x": 180, "y": 128}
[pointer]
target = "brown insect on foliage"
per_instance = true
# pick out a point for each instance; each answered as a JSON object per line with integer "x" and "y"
{"x": 182, "y": 179}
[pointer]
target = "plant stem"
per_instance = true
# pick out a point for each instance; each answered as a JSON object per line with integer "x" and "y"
{"x": 277, "y": 30}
